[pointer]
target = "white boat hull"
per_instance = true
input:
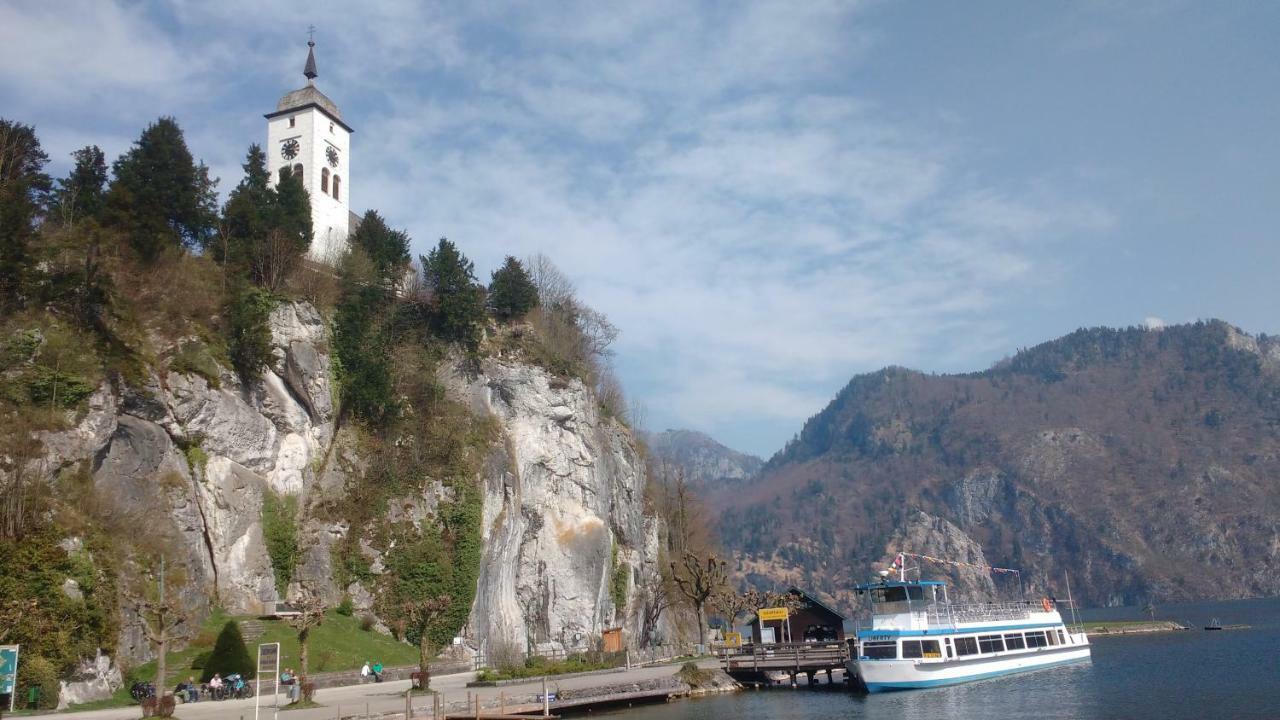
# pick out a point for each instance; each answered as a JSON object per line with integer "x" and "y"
{"x": 887, "y": 675}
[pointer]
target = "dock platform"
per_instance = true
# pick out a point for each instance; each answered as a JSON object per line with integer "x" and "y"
{"x": 753, "y": 662}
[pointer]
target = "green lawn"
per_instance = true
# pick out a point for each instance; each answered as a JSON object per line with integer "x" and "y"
{"x": 337, "y": 644}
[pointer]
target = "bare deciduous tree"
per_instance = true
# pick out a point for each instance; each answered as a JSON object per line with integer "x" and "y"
{"x": 699, "y": 580}
{"x": 163, "y": 618}
{"x": 310, "y": 607}
{"x": 420, "y": 615}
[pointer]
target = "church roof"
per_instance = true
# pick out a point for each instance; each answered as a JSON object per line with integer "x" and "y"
{"x": 309, "y": 95}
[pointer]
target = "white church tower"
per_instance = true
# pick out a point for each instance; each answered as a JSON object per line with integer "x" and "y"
{"x": 306, "y": 134}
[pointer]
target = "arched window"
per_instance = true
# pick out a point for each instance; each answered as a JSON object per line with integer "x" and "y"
{"x": 337, "y": 181}
{"x": 297, "y": 171}
{"x": 324, "y": 180}
{"x": 284, "y": 171}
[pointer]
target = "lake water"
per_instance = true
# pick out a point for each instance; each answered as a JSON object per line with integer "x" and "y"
{"x": 1192, "y": 674}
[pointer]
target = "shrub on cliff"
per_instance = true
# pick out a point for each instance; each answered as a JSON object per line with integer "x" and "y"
{"x": 230, "y": 655}
{"x": 248, "y": 315}
{"x": 511, "y": 293}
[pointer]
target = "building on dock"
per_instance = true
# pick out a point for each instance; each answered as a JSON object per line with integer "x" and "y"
{"x": 810, "y": 620}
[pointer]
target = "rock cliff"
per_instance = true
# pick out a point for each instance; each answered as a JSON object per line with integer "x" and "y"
{"x": 565, "y": 537}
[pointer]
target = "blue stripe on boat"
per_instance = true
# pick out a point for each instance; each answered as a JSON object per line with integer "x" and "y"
{"x": 919, "y": 684}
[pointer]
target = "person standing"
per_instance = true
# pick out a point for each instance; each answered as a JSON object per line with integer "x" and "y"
{"x": 364, "y": 672}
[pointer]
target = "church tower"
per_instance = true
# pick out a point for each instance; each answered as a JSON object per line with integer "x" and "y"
{"x": 307, "y": 135}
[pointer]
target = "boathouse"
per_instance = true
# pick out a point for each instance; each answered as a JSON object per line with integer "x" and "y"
{"x": 810, "y": 621}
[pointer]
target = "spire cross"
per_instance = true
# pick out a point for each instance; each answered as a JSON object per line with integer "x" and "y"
{"x": 311, "y": 34}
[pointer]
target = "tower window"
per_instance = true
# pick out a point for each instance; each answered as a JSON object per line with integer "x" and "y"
{"x": 330, "y": 127}
{"x": 293, "y": 122}
{"x": 337, "y": 181}
{"x": 297, "y": 170}
{"x": 324, "y": 180}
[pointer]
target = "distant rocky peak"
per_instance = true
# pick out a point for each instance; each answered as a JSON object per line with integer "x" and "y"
{"x": 704, "y": 461}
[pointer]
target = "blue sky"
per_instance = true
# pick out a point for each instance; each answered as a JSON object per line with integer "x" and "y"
{"x": 766, "y": 198}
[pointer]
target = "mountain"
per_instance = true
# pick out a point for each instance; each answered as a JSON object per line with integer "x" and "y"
{"x": 706, "y": 463}
{"x": 1144, "y": 464}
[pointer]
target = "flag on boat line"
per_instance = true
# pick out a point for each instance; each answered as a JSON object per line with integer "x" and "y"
{"x": 956, "y": 563}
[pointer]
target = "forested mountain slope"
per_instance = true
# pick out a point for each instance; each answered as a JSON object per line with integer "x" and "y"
{"x": 1144, "y": 463}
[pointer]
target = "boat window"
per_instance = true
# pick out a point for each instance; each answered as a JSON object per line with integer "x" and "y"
{"x": 880, "y": 650}
{"x": 930, "y": 648}
{"x": 897, "y": 594}
{"x": 1014, "y": 641}
{"x": 911, "y": 649}
{"x": 1062, "y": 639}
{"x": 1053, "y": 637}
{"x": 967, "y": 646}
{"x": 990, "y": 643}
{"x": 1036, "y": 639}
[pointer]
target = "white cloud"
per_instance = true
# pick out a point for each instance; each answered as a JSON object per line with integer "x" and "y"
{"x": 704, "y": 173}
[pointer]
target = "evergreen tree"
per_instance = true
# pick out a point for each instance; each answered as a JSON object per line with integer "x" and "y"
{"x": 229, "y": 655}
{"x": 246, "y": 218}
{"x": 23, "y": 187}
{"x": 457, "y": 301}
{"x": 161, "y": 197}
{"x": 387, "y": 249}
{"x": 293, "y": 213}
{"x": 266, "y": 230}
{"x": 248, "y": 316}
{"x": 82, "y": 194}
{"x": 511, "y": 293}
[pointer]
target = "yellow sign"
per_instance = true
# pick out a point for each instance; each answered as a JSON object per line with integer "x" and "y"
{"x": 733, "y": 639}
{"x": 766, "y": 614}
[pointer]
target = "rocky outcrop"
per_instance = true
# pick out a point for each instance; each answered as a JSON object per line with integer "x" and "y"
{"x": 95, "y": 679}
{"x": 705, "y": 462}
{"x": 191, "y": 457}
{"x": 565, "y": 490}
{"x": 924, "y": 534}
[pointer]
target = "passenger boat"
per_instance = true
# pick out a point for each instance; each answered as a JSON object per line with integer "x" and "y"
{"x": 918, "y": 638}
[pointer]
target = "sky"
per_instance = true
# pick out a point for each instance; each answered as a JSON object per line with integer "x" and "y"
{"x": 766, "y": 198}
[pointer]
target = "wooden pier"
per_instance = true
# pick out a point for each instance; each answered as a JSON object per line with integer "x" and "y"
{"x": 754, "y": 662}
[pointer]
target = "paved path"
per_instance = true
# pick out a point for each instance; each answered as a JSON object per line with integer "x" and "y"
{"x": 379, "y": 697}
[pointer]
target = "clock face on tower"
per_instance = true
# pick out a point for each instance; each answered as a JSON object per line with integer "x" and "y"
{"x": 332, "y": 155}
{"x": 289, "y": 150}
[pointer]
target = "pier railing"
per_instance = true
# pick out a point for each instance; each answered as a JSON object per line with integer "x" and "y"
{"x": 797, "y": 657}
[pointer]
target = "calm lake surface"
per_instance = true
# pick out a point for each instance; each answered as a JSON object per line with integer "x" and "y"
{"x": 1192, "y": 674}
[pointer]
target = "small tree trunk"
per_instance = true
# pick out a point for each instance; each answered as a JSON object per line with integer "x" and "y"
{"x": 702, "y": 624}
{"x": 162, "y": 649}
{"x": 304, "y": 637}
{"x": 424, "y": 660}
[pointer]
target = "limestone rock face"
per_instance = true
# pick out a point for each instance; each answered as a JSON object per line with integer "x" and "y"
{"x": 95, "y": 679}
{"x": 200, "y": 456}
{"x": 567, "y": 489}
{"x": 925, "y": 534}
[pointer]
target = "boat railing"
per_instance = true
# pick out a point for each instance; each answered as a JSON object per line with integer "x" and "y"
{"x": 951, "y": 614}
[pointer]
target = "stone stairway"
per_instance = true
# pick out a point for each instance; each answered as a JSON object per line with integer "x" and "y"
{"x": 251, "y": 630}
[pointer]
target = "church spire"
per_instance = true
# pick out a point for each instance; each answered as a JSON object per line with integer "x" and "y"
{"x": 310, "y": 69}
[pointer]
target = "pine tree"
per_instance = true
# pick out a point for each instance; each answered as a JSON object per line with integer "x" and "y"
{"x": 511, "y": 293}
{"x": 457, "y": 301}
{"x": 23, "y": 186}
{"x": 82, "y": 194}
{"x": 293, "y": 213}
{"x": 161, "y": 197}
{"x": 266, "y": 230}
{"x": 247, "y": 214}
{"x": 387, "y": 249}
{"x": 229, "y": 655}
